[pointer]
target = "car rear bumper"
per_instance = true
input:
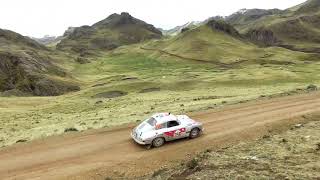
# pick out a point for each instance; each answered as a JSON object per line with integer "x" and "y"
{"x": 137, "y": 140}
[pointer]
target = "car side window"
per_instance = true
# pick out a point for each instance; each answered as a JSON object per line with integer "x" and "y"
{"x": 161, "y": 126}
{"x": 172, "y": 124}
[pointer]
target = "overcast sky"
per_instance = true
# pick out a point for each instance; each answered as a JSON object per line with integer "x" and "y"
{"x": 52, "y": 17}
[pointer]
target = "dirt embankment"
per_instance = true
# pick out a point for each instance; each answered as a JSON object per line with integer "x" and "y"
{"x": 98, "y": 154}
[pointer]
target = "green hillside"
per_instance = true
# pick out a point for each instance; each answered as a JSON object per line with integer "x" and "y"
{"x": 218, "y": 42}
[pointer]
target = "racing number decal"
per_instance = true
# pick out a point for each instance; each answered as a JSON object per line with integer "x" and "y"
{"x": 175, "y": 132}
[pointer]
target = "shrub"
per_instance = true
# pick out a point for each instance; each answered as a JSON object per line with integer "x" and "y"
{"x": 21, "y": 141}
{"x": 312, "y": 87}
{"x": 193, "y": 163}
{"x": 71, "y": 129}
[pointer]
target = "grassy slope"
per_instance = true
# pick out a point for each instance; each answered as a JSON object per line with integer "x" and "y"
{"x": 211, "y": 45}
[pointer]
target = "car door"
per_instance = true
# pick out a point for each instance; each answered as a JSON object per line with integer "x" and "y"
{"x": 174, "y": 130}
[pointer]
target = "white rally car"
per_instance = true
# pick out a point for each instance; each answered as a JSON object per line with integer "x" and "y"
{"x": 164, "y": 127}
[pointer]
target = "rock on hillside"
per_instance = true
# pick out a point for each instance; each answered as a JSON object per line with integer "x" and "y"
{"x": 262, "y": 36}
{"x": 110, "y": 33}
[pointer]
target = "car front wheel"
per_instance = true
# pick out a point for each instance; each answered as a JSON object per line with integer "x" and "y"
{"x": 195, "y": 132}
{"x": 157, "y": 142}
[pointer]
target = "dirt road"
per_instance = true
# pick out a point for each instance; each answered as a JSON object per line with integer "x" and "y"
{"x": 98, "y": 154}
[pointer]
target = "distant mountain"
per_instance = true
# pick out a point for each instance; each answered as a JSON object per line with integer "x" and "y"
{"x": 27, "y": 69}
{"x": 297, "y": 28}
{"x": 246, "y": 16}
{"x": 241, "y": 18}
{"x": 112, "y": 32}
{"x": 48, "y": 40}
{"x": 176, "y": 30}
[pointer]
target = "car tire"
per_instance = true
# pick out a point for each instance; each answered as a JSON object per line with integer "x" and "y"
{"x": 157, "y": 142}
{"x": 194, "y": 133}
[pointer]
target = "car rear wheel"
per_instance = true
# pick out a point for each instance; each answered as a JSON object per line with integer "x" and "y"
{"x": 195, "y": 132}
{"x": 157, "y": 142}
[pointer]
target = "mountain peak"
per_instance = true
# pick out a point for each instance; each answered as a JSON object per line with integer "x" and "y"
{"x": 125, "y": 14}
{"x": 117, "y": 20}
{"x": 242, "y": 11}
{"x": 110, "y": 33}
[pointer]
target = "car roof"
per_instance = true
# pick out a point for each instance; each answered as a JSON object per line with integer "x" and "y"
{"x": 164, "y": 117}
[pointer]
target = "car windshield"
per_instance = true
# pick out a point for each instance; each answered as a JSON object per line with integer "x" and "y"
{"x": 152, "y": 121}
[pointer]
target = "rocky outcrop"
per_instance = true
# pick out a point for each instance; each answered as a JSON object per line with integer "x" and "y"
{"x": 223, "y": 26}
{"x": 185, "y": 29}
{"x": 69, "y": 31}
{"x": 262, "y": 36}
{"x": 30, "y": 73}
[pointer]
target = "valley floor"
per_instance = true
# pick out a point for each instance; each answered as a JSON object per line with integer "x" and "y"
{"x": 99, "y": 154}
{"x": 129, "y": 84}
